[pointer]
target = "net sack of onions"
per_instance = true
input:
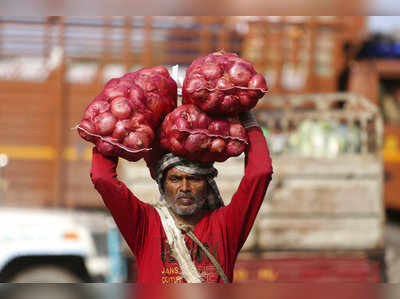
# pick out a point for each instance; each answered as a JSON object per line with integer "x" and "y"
{"x": 187, "y": 131}
{"x": 223, "y": 83}
{"x": 122, "y": 119}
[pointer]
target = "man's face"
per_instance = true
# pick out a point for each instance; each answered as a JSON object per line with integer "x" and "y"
{"x": 185, "y": 193}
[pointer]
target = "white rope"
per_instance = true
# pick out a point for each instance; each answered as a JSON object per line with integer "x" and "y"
{"x": 178, "y": 246}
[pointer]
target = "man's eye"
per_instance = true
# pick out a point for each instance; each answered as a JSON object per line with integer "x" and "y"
{"x": 173, "y": 179}
{"x": 196, "y": 179}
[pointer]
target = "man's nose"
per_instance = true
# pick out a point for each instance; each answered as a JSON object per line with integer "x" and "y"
{"x": 185, "y": 186}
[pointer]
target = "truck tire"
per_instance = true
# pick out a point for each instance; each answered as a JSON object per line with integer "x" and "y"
{"x": 45, "y": 274}
{"x": 41, "y": 291}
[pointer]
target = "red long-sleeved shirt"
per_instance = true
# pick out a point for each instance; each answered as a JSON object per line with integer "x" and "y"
{"x": 223, "y": 231}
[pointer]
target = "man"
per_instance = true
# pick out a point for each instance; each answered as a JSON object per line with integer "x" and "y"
{"x": 170, "y": 240}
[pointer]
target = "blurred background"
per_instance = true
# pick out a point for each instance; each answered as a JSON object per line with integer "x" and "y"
{"x": 331, "y": 118}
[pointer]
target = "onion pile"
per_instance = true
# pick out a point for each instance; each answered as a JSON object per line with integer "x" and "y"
{"x": 223, "y": 83}
{"x": 122, "y": 119}
{"x": 189, "y": 132}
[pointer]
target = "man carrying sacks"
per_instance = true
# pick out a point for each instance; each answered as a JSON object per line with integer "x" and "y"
{"x": 189, "y": 235}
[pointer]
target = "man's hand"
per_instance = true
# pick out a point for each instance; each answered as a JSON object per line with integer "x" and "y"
{"x": 111, "y": 158}
{"x": 152, "y": 157}
{"x": 248, "y": 119}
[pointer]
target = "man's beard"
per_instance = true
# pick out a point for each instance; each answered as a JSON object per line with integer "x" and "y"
{"x": 197, "y": 205}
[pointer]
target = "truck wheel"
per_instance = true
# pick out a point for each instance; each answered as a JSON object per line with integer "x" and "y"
{"x": 44, "y": 274}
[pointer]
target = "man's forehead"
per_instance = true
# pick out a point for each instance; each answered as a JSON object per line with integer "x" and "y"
{"x": 176, "y": 171}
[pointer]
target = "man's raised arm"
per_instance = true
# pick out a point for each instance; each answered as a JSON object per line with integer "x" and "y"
{"x": 245, "y": 204}
{"x": 128, "y": 212}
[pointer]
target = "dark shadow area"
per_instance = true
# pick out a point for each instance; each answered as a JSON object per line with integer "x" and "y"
{"x": 393, "y": 216}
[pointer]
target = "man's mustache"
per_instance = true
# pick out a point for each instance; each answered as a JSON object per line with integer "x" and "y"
{"x": 186, "y": 195}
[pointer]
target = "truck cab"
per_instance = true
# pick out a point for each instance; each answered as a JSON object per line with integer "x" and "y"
{"x": 47, "y": 246}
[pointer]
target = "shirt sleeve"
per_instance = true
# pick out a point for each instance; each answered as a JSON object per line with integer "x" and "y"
{"x": 128, "y": 211}
{"x": 240, "y": 214}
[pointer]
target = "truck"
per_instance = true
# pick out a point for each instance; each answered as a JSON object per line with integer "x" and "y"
{"x": 45, "y": 246}
{"x": 323, "y": 216}
{"x": 53, "y": 245}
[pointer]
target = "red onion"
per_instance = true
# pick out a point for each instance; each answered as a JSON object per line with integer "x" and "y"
{"x": 161, "y": 70}
{"x": 237, "y": 130}
{"x": 136, "y": 93}
{"x": 197, "y": 142}
{"x": 105, "y": 147}
{"x": 217, "y": 145}
{"x": 229, "y": 104}
{"x": 105, "y": 123}
{"x": 112, "y": 83}
{"x": 155, "y": 104}
{"x": 193, "y": 111}
{"x": 178, "y": 135}
{"x": 212, "y": 102}
{"x": 121, "y": 129}
{"x": 88, "y": 126}
{"x": 203, "y": 121}
{"x": 182, "y": 124}
{"x": 136, "y": 141}
{"x": 136, "y": 120}
{"x": 245, "y": 99}
{"x": 124, "y": 84}
{"x": 235, "y": 147}
{"x": 96, "y": 108}
{"x": 113, "y": 92}
{"x": 257, "y": 82}
{"x": 224, "y": 83}
{"x": 211, "y": 71}
{"x": 239, "y": 74}
{"x": 196, "y": 84}
{"x": 168, "y": 127}
{"x": 137, "y": 105}
{"x": 219, "y": 127}
{"x": 120, "y": 108}
{"x": 146, "y": 139}
{"x": 200, "y": 95}
{"x": 146, "y": 130}
{"x": 176, "y": 146}
{"x": 149, "y": 85}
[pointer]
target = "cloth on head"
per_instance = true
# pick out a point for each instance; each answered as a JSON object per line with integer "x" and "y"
{"x": 207, "y": 170}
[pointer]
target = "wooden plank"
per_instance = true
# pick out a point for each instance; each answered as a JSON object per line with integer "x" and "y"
{"x": 188, "y": 33}
{"x": 58, "y": 132}
{"x": 387, "y": 68}
{"x": 312, "y": 233}
{"x": 168, "y": 45}
{"x": 23, "y": 137}
{"x": 328, "y": 197}
{"x": 23, "y": 106}
{"x": 28, "y": 152}
{"x": 30, "y": 109}
{"x": 345, "y": 166}
{"x": 15, "y": 87}
{"x": 392, "y": 186}
{"x": 205, "y": 35}
{"x": 312, "y": 269}
{"x": 28, "y": 182}
{"x": 354, "y": 167}
{"x": 78, "y": 188}
{"x": 147, "y": 38}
